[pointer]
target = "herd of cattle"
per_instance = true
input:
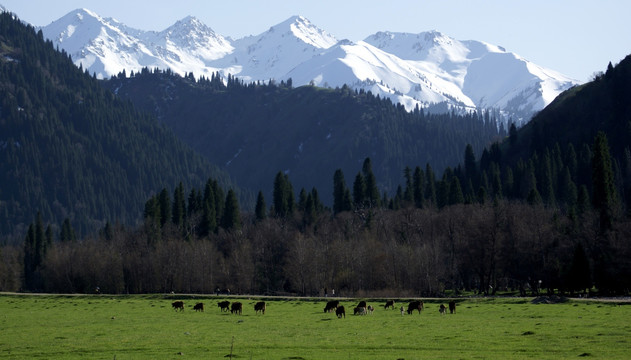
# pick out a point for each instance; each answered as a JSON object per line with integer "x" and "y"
{"x": 334, "y": 305}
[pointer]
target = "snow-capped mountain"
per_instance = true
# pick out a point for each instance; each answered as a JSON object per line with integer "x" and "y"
{"x": 428, "y": 69}
{"x": 487, "y": 75}
{"x": 106, "y": 47}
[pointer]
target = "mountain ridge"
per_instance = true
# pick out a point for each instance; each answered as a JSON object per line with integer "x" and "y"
{"x": 430, "y": 69}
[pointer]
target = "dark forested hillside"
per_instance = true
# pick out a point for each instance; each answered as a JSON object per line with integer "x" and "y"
{"x": 70, "y": 149}
{"x": 255, "y": 130}
{"x": 560, "y": 144}
{"x": 577, "y": 115}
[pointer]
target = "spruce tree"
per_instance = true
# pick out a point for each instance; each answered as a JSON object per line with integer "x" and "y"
{"x": 209, "y": 214}
{"x": 418, "y": 185}
{"x": 455, "y": 192}
{"x": 232, "y": 216}
{"x": 260, "y": 210}
{"x": 281, "y": 202}
{"x": 372, "y": 192}
{"x": 430, "y": 185}
{"x": 359, "y": 190}
{"x": 470, "y": 164}
{"x": 604, "y": 196}
{"x": 67, "y": 232}
{"x": 164, "y": 201}
{"x": 408, "y": 195}
{"x": 30, "y": 264}
{"x": 179, "y": 206}
{"x": 339, "y": 191}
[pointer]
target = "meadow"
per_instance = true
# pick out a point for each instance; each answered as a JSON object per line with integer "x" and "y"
{"x": 146, "y": 327}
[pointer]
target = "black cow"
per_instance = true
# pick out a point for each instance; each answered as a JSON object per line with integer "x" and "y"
{"x": 339, "y": 311}
{"x": 237, "y": 308}
{"x": 452, "y": 307}
{"x": 178, "y": 305}
{"x": 415, "y": 305}
{"x": 224, "y": 305}
{"x": 259, "y": 306}
{"x": 331, "y": 305}
{"x": 389, "y": 303}
{"x": 199, "y": 307}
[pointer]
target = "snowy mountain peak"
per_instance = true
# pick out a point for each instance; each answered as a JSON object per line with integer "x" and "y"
{"x": 428, "y": 69}
{"x": 304, "y": 30}
{"x": 191, "y": 32}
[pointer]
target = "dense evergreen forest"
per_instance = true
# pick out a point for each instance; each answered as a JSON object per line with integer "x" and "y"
{"x": 536, "y": 212}
{"x": 255, "y": 130}
{"x": 70, "y": 149}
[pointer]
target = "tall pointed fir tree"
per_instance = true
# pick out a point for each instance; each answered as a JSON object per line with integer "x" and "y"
{"x": 340, "y": 193}
{"x": 430, "y": 185}
{"x": 359, "y": 190}
{"x": 179, "y": 206}
{"x": 260, "y": 209}
{"x": 418, "y": 185}
{"x": 164, "y": 201}
{"x": 232, "y": 216}
{"x": 604, "y": 196}
{"x": 372, "y": 192}
{"x": 209, "y": 214}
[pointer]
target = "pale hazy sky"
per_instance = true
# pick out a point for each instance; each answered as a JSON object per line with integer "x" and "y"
{"x": 574, "y": 37}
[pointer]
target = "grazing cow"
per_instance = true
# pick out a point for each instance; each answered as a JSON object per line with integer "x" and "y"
{"x": 362, "y": 305}
{"x": 370, "y": 309}
{"x": 452, "y": 307}
{"x": 331, "y": 305}
{"x": 224, "y": 305}
{"x": 415, "y": 305}
{"x": 359, "y": 310}
{"x": 442, "y": 309}
{"x": 237, "y": 308}
{"x": 402, "y": 311}
{"x": 199, "y": 307}
{"x": 389, "y": 303}
{"x": 178, "y": 305}
{"x": 339, "y": 311}
{"x": 259, "y": 306}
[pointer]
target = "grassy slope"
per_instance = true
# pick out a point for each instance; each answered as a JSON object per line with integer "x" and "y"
{"x": 142, "y": 327}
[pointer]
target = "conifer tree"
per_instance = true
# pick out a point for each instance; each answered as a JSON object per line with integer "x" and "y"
{"x": 67, "y": 232}
{"x": 418, "y": 186}
{"x": 340, "y": 192}
{"x": 359, "y": 190}
{"x": 455, "y": 192}
{"x": 209, "y": 215}
{"x": 284, "y": 200}
{"x": 179, "y": 206}
{"x": 408, "y": 195}
{"x": 430, "y": 185}
{"x": 260, "y": 210}
{"x": 470, "y": 164}
{"x": 372, "y": 192}
{"x": 547, "y": 186}
{"x": 30, "y": 264}
{"x": 604, "y": 193}
{"x": 319, "y": 207}
{"x": 164, "y": 200}
{"x": 232, "y": 216}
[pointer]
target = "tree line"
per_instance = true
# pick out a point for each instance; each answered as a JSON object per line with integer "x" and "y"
{"x": 432, "y": 237}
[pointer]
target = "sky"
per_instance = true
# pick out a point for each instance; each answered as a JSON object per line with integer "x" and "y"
{"x": 574, "y": 37}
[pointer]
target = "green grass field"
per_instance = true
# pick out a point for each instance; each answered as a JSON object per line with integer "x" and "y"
{"x": 146, "y": 327}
